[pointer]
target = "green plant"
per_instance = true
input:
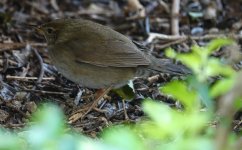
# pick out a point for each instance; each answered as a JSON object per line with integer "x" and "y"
{"x": 164, "y": 128}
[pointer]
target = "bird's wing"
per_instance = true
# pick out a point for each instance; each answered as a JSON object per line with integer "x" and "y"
{"x": 107, "y": 53}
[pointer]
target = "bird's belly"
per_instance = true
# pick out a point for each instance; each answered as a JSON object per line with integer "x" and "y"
{"x": 92, "y": 76}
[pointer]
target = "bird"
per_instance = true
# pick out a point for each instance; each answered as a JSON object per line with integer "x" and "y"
{"x": 98, "y": 57}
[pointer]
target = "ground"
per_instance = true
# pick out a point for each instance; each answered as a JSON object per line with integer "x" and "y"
{"x": 28, "y": 78}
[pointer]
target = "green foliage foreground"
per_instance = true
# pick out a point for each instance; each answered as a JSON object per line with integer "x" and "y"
{"x": 164, "y": 129}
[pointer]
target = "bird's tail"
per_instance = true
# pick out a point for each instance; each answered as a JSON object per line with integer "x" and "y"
{"x": 168, "y": 66}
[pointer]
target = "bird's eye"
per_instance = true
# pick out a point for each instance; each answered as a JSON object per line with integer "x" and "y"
{"x": 50, "y": 30}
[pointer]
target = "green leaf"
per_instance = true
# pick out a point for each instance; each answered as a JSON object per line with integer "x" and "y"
{"x": 217, "y": 43}
{"x": 169, "y": 52}
{"x": 179, "y": 90}
{"x": 48, "y": 128}
{"x": 154, "y": 109}
{"x": 172, "y": 124}
{"x": 203, "y": 91}
{"x": 122, "y": 138}
{"x": 215, "y": 67}
{"x": 191, "y": 61}
{"x": 221, "y": 87}
{"x": 10, "y": 141}
{"x": 238, "y": 104}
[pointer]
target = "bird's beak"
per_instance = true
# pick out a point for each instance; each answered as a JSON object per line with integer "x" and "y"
{"x": 39, "y": 30}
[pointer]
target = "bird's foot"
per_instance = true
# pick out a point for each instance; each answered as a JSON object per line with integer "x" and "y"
{"x": 81, "y": 113}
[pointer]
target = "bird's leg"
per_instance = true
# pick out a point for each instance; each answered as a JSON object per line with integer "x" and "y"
{"x": 125, "y": 111}
{"x": 98, "y": 96}
{"x": 83, "y": 112}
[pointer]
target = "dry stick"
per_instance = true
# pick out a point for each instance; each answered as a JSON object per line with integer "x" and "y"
{"x": 44, "y": 92}
{"x": 79, "y": 113}
{"x": 54, "y": 5}
{"x": 11, "y": 46}
{"x": 41, "y": 74}
{"x": 226, "y": 112}
{"x": 12, "y": 125}
{"x": 153, "y": 36}
{"x": 174, "y": 17}
{"x": 165, "y": 6}
{"x": 27, "y": 78}
{"x": 135, "y": 5}
{"x": 125, "y": 111}
{"x": 37, "y": 7}
{"x": 170, "y": 43}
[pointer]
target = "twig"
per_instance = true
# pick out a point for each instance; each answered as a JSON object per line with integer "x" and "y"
{"x": 54, "y": 5}
{"x": 11, "y": 125}
{"x": 41, "y": 74}
{"x": 44, "y": 92}
{"x": 37, "y": 6}
{"x": 174, "y": 17}
{"x": 170, "y": 43}
{"x": 165, "y": 6}
{"x": 153, "y": 36}
{"x": 27, "y": 78}
{"x": 135, "y": 5}
{"x": 16, "y": 46}
{"x": 125, "y": 111}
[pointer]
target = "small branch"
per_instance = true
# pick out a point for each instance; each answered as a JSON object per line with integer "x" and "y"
{"x": 16, "y": 46}
{"x": 136, "y": 6}
{"x": 174, "y": 17}
{"x": 44, "y": 92}
{"x": 170, "y": 43}
{"x": 8, "y": 77}
{"x": 126, "y": 117}
{"x": 54, "y": 5}
{"x": 165, "y": 6}
{"x": 159, "y": 36}
{"x": 41, "y": 74}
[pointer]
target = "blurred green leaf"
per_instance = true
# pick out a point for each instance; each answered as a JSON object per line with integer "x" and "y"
{"x": 217, "y": 43}
{"x": 202, "y": 89}
{"x": 238, "y": 104}
{"x": 189, "y": 144}
{"x": 122, "y": 138}
{"x": 166, "y": 122}
{"x": 190, "y": 60}
{"x": 215, "y": 67}
{"x": 221, "y": 87}
{"x": 179, "y": 91}
{"x": 169, "y": 52}
{"x": 10, "y": 141}
{"x": 154, "y": 109}
{"x": 48, "y": 129}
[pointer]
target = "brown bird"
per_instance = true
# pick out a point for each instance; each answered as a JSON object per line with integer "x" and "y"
{"x": 98, "y": 57}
